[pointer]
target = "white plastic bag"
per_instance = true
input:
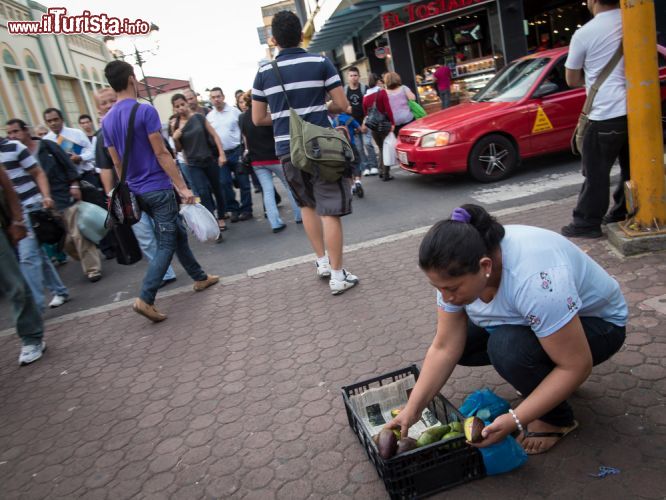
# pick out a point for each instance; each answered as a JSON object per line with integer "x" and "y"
{"x": 200, "y": 222}
{"x": 388, "y": 150}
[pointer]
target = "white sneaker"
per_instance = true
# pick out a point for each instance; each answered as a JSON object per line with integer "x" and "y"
{"x": 31, "y": 353}
{"x": 366, "y": 172}
{"x": 374, "y": 171}
{"x": 58, "y": 300}
{"x": 339, "y": 286}
{"x": 323, "y": 270}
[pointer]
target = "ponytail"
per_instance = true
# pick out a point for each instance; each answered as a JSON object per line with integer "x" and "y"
{"x": 455, "y": 246}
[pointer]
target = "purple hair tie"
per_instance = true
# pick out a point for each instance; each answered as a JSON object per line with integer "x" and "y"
{"x": 460, "y": 215}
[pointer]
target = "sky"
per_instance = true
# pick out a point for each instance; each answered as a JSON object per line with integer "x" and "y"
{"x": 213, "y": 43}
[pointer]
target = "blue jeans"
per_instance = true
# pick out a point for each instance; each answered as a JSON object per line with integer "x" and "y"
{"x": 144, "y": 230}
{"x": 366, "y": 150}
{"x": 265, "y": 175}
{"x": 445, "y": 98}
{"x": 517, "y": 355}
{"x": 36, "y": 265}
{"x": 232, "y": 166}
{"x": 206, "y": 178}
{"x": 27, "y": 318}
{"x": 171, "y": 238}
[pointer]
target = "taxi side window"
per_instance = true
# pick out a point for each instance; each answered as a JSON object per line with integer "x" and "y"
{"x": 556, "y": 76}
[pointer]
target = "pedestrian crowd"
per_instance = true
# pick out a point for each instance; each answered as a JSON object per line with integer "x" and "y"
{"x": 523, "y": 299}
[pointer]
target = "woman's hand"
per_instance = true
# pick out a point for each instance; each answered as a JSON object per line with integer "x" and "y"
{"x": 221, "y": 160}
{"x": 501, "y": 427}
{"x": 405, "y": 419}
{"x": 178, "y": 133}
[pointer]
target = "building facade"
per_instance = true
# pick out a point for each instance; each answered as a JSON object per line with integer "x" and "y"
{"x": 42, "y": 71}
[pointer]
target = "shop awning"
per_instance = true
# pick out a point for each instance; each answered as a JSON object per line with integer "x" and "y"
{"x": 344, "y": 25}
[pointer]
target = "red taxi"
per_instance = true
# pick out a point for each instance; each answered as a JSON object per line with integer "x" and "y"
{"x": 526, "y": 110}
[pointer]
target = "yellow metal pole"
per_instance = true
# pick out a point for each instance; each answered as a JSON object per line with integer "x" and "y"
{"x": 644, "y": 114}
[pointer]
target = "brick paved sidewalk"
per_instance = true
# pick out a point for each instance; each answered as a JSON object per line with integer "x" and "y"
{"x": 237, "y": 394}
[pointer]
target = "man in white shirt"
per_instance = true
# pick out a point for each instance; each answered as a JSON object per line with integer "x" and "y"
{"x": 74, "y": 142}
{"x": 606, "y": 138}
{"x": 224, "y": 119}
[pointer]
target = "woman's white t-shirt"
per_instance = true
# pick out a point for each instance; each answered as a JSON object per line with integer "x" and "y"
{"x": 546, "y": 280}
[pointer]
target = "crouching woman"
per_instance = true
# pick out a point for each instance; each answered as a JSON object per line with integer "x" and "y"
{"x": 525, "y": 300}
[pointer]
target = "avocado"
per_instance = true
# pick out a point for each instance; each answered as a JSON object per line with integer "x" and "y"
{"x": 473, "y": 427}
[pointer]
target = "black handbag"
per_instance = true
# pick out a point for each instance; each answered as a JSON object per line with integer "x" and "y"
{"x": 376, "y": 120}
{"x": 124, "y": 207}
{"x": 48, "y": 227}
{"x": 128, "y": 251}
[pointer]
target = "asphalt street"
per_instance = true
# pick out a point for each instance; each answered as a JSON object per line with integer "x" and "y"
{"x": 408, "y": 202}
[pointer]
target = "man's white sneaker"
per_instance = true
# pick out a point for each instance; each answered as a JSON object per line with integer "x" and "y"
{"x": 339, "y": 286}
{"x": 31, "y": 353}
{"x": 374, "y": 171}
{"x": 58, "y": 300}
{"x": 366, "y": 172}
{"x": 323, "y": 270}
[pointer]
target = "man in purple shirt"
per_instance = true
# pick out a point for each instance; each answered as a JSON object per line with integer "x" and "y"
{"x": 443, "y": 78}
{"x": 151, "y": 171}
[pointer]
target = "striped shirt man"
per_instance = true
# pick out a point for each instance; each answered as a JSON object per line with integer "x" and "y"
{"x": 307, "y": 78}
{"x": 18, "y": 161}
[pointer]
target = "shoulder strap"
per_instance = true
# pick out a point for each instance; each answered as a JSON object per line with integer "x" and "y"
{"x": 348, "y": 121}
{"x": 605, "y": 73}
{"x": 129, "y": 139}
{"x": 279, "y": 77}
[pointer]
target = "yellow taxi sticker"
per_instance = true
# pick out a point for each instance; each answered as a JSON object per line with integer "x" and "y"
{"x": 542, "y": 123}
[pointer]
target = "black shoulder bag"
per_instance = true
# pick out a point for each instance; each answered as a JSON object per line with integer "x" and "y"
{"x": 123, "y": 207}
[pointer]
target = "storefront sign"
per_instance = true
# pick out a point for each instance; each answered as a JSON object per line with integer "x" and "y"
{"x": 382, "y": 52}
{"x": 423, "y": 10}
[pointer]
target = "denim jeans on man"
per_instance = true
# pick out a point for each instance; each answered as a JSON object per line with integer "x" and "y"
{"x": 171, "y": 238}
{"x": 366, "y": 150}
{"x": 233, "y": 166}
{"x": 36, "y": 266}
{"x": 605, "y": 141}
{"x": 519, "y": 358}
{"x": 445, "y": 98}
{"x": 265, "y": 175}
{"x": 144, "y": 231}
{"x": 205, "y": 176}
{"x": 27, "y": 317}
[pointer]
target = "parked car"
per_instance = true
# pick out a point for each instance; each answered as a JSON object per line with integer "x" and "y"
{"x": 526, "y": 110}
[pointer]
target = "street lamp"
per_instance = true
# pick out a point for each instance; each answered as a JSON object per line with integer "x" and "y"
{"x": 138, "y": 59}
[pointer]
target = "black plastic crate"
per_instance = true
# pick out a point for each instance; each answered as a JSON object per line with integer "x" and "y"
{"x": 424, "y": 471}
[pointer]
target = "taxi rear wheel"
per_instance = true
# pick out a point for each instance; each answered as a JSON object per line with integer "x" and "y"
{"x": 492, "y": 159}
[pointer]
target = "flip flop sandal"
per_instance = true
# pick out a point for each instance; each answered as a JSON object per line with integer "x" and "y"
{"x": 558, "y": 435}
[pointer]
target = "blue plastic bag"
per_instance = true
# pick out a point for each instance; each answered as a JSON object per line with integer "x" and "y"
{"x": 505, "y": 455}
{"x": 484, "y": 404}
{"x": 90, "y": 220}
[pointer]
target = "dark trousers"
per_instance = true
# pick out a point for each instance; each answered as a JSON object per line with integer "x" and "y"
{"x": 516, "y": 353}
{"x": 379, "y": 139}
{"x": 205, "y": 175}
{"x": 604, "y": 142}
{"x": 233, "y": 166}
{"x": 27, "y": 317}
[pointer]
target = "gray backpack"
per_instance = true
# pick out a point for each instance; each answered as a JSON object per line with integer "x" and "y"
{"x": 322, "y": 152}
